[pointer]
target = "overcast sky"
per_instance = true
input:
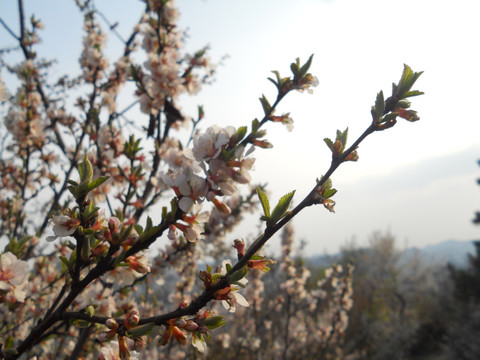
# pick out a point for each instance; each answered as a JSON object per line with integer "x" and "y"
{"x": 416, "y": 180}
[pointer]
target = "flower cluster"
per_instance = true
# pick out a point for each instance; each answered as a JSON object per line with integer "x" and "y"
{"x": 93, "y": 289}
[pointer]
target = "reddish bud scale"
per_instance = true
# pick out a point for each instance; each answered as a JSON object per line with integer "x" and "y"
{"x": 240, "y": 246}
{"x": 222, "y": 294}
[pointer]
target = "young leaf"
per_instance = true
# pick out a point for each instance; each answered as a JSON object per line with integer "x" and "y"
{"x": 406, "y": 82}
{"x": 379, "y": 108}
{"x": 97, "y": 182}
{"x": 85, "y": 170}
{"x": 303, "y": 70}
{"x": 329, "y": 143}
{"x": 282, "y": 207}
{"x": 237, "y": 275}
{"x": 264, "y": 201}
{"x": 265, "y": 104}
{"x": 255, "y": 126}
{"x": 413, "y": 93}
{"x": 141, "y": 330}
{"x": 294, "y": 68}
{"x": 213, "y": 322}
{"x": 240, "y": 134}
{"x": 342, "y": 137}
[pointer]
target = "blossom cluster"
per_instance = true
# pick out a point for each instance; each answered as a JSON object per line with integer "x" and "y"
{"x": 78, "y": 274}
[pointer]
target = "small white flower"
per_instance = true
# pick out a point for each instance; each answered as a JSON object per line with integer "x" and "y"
{"x": 201, "y": 345}
{"x": 208, "y": 145}
{"x": 62, "y": 226}
{"x": 13, "y": 275}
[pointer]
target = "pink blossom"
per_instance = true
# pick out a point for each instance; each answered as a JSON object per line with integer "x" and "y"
{"x": 63, "y": 226}
{"x": 13, "y": 275}
{"x": 208, "y": 145}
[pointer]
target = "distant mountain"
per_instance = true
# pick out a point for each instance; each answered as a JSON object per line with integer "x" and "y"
{"x": 451, "y": 251}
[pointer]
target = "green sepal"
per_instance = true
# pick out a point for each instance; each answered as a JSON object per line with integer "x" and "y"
{"x": 282, "y": 207}
{"x": 264, "y": 201}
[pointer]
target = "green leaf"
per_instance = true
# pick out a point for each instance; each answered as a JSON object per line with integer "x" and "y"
{"x": 141, "y": 330}
{"x": 85, "y": 254}
{"x": 327, "y": 185}
{"x": 266, "y": 105}
{"x": 237, "y": 275}
{"x": 213, "y": 322}
{"x": 329, "y": 143}
{"x": 406, "y": 82}
{"x": 329, "y": 193}
{"x": 294, "y": 68}
{"x": 413, "y": 93}
{"x": 342, "y": 136}
{"x": 379, "y": 108}
{"x": 304, "y": 69}
{"x": 264, "y": 201}
{"x": 149, "y": 223}
{"x": 282, "y": 207}
{"x": 85, "y": 170}
{"x": 97, "y": 182}
{"x": 240, "y": 134}
{"x": 278, "y": 81}
{"x": 255, "y": 126}
{"x": 138, "y": 229}
{"x": 64, "y": 260}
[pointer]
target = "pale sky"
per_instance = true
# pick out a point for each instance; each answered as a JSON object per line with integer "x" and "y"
{"x": 417, "y": 180}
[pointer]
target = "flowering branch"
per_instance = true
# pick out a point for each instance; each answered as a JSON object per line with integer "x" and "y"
{"x": 103, "y": 260}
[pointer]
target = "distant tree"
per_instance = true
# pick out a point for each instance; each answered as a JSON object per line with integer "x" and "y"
{"x": 464, "y": 327}
{"x": 467, "y": 281}
{"x": 392, "y": 290}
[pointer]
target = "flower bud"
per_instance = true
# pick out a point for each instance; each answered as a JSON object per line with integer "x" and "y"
{"x": 111, "y": 324}
{"x": 132, "y": 319}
